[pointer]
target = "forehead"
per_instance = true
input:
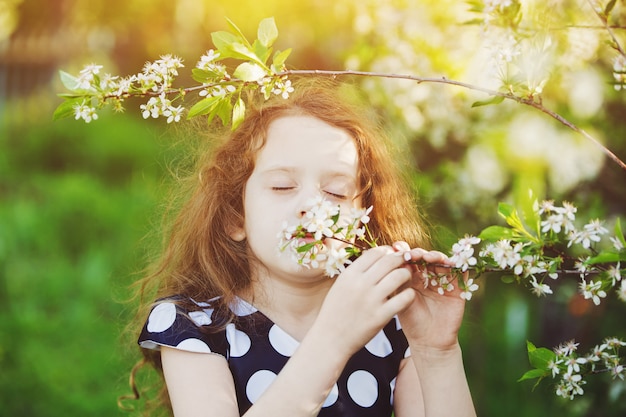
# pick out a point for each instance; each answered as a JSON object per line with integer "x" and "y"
{"x": 300, "y": 140}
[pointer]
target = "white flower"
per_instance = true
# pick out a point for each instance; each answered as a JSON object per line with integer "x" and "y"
{"x": 569, "y": 210}
{"x": 595, "y": 227}
{"x": 173, "y": 114}
{"x": 553, "y": 222}
{"x": 592, "y": 291}
{"x": 614, "y": 273}
{"x": 553, "y": 365}
{"x": 336, "y": 261}
{"x": 573, "y": 364}
{"x": 87, "y": 113}
{"x": 283, "y": 88}
{"x": 581, "y": 266}
{"x": 87, "y": 76}
{"x": 566, "y": 348}
{"x": 617, "y": 243}
{"x": 463, "y": 252}
{"x": 539, "y": 289}
{"x": 613, "y": 342}
{"x": 546, "y": 206}
{"x": 207, "y": 58}
{"x": 470, "y": 287}
{"x": 618, "y": 372}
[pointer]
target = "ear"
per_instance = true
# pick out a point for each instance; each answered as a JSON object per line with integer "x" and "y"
{"x": 237, "y": 234}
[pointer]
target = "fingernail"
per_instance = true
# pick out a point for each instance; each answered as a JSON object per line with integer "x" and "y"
{"x": 407, "y": 256}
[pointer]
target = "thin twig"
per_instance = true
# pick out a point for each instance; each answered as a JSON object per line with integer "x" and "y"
{"x": 443, "y": 80}
{"x": 440, "y": 80}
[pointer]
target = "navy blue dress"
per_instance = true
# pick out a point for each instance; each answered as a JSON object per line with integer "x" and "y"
{"x": 256, "y": 350}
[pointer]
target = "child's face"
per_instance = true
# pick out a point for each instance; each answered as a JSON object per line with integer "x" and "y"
{"x": 302, "y": 159}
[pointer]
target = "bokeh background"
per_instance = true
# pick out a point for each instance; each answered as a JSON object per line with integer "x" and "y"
{"x": 78, "y": 201}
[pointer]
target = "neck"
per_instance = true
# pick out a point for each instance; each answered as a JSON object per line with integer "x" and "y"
{"x": 290, "y": 302}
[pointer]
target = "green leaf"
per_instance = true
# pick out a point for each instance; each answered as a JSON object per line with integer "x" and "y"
{"x": 267, "y": 32}
{"x": 494, "y": 233}
{"x": 239, "y": 34}
{"x": 609, "y": 7}
{"x": 492, "y": 100}
{"x": 69, "y": 81}
{"x": 223, "y": 110}
{"x": 533, "y": 374}
{"x": 262, "y": 52}
{"x": 279, "y": 59}
{"x": 223, "y": 42}
{"x": 250, "y": 72}
{"x": 204, "y": 106}
{"x": 539, "y": 357}
{"x": 241, "y": 51}
{"x": 606, "y": 257}
{"x": 66, "y": 109}
{"x": 306, "y": 247}
{"x": 204, "y": 76}
{"x": 239, "y": 112}
{"x": 505, "y": 210}
{"x": 531, "y": 217}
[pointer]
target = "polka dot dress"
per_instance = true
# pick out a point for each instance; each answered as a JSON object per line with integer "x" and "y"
{"x": 257, "y": 349}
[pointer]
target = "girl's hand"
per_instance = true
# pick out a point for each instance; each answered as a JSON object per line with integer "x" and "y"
{"x": 365, "y": 297}
{"x": 432, "y": 320}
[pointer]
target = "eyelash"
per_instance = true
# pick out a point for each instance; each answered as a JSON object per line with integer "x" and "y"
{"x": 333, "y": 195}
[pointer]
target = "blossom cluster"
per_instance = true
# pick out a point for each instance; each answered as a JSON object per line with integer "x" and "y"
{"x": 219, "y": 91}
{"x": 538, "y": 256}
{"x": 310, "y": 242}
{"x": 569, "y": 367}
{"x": 306, "y": 240}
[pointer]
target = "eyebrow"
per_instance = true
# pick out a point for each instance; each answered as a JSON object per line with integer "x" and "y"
{"x": 291, "y": 170}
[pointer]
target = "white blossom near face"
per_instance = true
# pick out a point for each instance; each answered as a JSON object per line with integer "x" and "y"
{"x": 303, "y": 159}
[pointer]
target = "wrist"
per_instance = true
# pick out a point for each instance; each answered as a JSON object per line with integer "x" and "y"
{"x": 440, "y": 356}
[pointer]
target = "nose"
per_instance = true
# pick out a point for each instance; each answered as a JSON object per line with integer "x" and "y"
{"x": 308, "y": 198}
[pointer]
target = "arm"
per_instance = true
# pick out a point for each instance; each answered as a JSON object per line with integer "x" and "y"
{"x": 199, "y": 381}
{"x": 431, "y": 325}
{"x": 361, "y": 301}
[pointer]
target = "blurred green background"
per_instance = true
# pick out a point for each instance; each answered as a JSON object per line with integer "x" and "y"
{"x": 78, "y": 201}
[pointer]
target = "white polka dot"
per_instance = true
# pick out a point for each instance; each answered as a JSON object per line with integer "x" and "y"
{"x": 238, "y": 340}
{"x": 380, "y": 345}
{"x": 392, "y": 385}
{"x": 398, "y": 324}
{"x": 332, "y": 397}
{"x": 258, "y": 383}
{"x": 363, "y": 388}
{"x": 194, "y": 345}
{"x": 161, "y": 318}
{"x": 282, "y": 342}
{"x": 242, "y": 308}
{"x": 201, "y": 318}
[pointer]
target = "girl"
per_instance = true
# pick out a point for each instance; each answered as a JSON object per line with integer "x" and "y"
{"x": 241, "y": 329}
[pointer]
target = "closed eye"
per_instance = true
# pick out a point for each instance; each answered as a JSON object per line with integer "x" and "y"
{"x": 336, "y": 196}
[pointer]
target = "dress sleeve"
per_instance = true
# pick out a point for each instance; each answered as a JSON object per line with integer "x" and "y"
{"x": 170, "y": 325}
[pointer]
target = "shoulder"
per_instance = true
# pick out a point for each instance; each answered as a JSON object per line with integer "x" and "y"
{"x": 185, "y": 324}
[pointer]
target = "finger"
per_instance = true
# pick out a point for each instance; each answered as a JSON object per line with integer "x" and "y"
{"x": 393, "y": 281}
{"x": 369, "y": 258}
{"x": 399, "y": 302}
{"x": 434, "y": 256}
{"x": 401, "y": 246}
{"x": 385, "y": 265}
